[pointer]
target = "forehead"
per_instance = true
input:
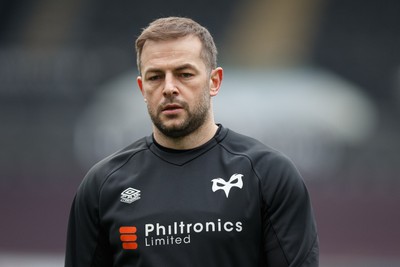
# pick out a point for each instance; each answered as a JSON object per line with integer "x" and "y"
{"x": 167, "y": 53}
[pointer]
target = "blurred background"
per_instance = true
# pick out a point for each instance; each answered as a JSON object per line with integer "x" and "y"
{"x": 317, "y": 79}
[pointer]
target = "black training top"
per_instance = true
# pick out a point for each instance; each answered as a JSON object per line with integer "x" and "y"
{"x": 232, "y": 202}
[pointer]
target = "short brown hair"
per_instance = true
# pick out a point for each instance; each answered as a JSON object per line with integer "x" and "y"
{"x": 176, "y": 27}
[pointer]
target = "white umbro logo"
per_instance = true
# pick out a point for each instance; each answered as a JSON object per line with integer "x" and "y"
{"x": 221, "y": 184}
{"x": 130, "y": 195}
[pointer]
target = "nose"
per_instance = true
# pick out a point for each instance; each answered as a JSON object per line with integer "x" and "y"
{"x": 170, "y": 86}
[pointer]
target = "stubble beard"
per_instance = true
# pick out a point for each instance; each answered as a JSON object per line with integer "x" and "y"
{"x": 193, "y": 121}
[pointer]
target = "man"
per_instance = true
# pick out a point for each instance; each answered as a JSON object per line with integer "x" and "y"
{"x": 194, "y": 193}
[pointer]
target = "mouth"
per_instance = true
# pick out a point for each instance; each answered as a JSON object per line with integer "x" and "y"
{"x": 172, "y": 109}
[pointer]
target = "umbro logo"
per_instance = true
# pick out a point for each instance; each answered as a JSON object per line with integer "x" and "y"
{"x": 221, "y": 184}
{"x": 130, "y": 195}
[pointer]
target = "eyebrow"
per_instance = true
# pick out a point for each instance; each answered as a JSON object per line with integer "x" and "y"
{"x": 186, "y": 66}
{"x": 179, "y": 68}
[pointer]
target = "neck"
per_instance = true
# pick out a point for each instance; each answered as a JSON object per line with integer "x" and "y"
{"x": 199, "y": 137}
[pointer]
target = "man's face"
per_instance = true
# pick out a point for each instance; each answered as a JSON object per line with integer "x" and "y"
{"x": 176, "y": 85}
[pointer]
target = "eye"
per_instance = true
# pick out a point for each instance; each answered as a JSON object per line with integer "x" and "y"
{"x": 186, "y": 75}
{"x": 154, "y": 78}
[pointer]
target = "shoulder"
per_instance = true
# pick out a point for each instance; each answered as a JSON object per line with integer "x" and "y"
{"x": 256, "y": 151}
{"x": 99, "y": 173}
{"x": 275, "y": 170}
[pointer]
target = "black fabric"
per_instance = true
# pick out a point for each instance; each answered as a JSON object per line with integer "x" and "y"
{"x": 231, "y": 202}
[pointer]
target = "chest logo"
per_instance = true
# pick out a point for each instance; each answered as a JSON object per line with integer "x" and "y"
{"x": 221, "y": 184}
{"x": 130, "y": 195}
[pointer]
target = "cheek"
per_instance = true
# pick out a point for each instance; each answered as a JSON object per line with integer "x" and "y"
{"x": 150, "y": 101}
{"x": 151, "y": 108}
{"x": 153, "y": 101}
{"x": 150, "y": 94}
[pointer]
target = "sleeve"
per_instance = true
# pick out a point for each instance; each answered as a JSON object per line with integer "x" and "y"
{"x": 290, "y": 234}
{"x": 87, "y": 243}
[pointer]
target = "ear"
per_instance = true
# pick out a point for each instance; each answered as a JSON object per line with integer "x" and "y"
{"x": 216, "y": 80}
{"x": 140, "y": 84}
